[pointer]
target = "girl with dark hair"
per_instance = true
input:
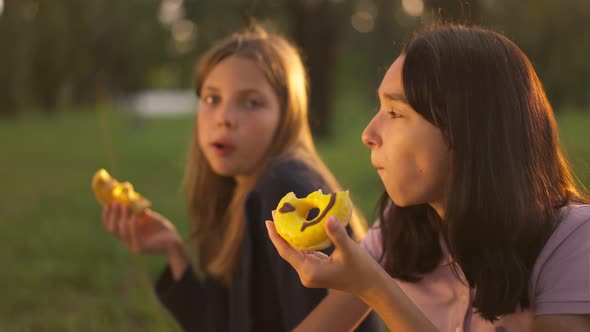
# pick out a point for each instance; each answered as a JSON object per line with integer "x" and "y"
{"x": 251, "y": 145}
{"x": 482, "y": 227}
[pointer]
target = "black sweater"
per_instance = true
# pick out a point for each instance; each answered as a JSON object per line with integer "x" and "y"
{"x": 266, "y": 293}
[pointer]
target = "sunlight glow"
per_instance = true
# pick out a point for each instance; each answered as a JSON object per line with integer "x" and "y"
{"x": 183, "y": 30}
{"x": 413, "y": 7}
{"x": 362, "y": 21}
{"x": 170, "y": 11}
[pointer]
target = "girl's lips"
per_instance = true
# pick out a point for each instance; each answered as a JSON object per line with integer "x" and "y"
{"x": 222, "y": 149}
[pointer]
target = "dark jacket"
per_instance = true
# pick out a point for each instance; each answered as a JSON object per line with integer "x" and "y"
{"x": 266, "y": 293}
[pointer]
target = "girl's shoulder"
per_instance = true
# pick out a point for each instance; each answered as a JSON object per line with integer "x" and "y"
{"x": 560, "y": 281}
{"x": 283, "y": 175}
{"x": 575, "y": 212}
{"x": 573, "y": 218}
{"x": 285, "y": 166}
{"x": 288, "y": 172}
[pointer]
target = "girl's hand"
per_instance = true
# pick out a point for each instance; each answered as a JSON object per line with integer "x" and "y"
{"x": 148, "y": 232}
{"x": 350, "y": 268}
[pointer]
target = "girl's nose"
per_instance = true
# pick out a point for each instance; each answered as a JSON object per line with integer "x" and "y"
{"x": 370, "y": 137}
{"x": 226, "y": 117}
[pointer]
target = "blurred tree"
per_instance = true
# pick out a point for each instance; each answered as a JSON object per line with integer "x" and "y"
{"x": 317, "y": 26}
{"x": 49, "y": 58}
{"x": 13, "y": 55}
{"x": 63, "y": 45}
{"x": 55, "y": 53}
{"x": 554, "y": 34}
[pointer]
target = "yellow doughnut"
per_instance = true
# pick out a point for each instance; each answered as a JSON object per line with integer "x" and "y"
{"x": 290, "y": 218}
{"x": 108, "y": 189}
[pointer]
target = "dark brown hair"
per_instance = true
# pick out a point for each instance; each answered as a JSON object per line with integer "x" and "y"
{"x": 508, "y": 175}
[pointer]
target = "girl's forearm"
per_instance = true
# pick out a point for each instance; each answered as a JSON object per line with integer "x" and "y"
{"x": 177, "y": 260}
{"x": 396, "y": 310}
{"x": 338, "y": 311}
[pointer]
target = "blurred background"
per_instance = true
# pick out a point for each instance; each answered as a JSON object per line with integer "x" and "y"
{"x": 108, "y": 83}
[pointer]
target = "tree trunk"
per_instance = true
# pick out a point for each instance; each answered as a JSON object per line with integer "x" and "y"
{"x": 314, "y": 26}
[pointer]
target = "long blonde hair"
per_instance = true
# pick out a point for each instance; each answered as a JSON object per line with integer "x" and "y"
{"x": 215, "y": 203}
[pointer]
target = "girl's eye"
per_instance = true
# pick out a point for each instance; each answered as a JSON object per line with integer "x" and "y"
{"x": 211, "y": 99}
{"x": 394, "y": 114}
{"x": 253, "y": 103}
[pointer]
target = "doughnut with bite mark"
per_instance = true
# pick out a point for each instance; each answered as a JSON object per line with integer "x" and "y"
{"x": 290, "y": 218}
{"x": 108, "y": 189}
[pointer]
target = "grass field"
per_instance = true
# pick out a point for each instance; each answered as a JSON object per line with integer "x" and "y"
{"x": 62, "y": 272}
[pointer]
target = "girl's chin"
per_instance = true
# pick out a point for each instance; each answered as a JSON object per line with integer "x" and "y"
{"x": 221, "y": 170}
{"x": 399, "y": 201}
{"x": 227, "y": 171}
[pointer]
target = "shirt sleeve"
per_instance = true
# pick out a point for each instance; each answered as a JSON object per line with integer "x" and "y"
{"x": 196, "y": 305}
{"x": 295, "y": 301}
{"x": 563, "y": 283}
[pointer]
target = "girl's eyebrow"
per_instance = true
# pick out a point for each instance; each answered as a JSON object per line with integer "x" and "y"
{"x": 242, "y": 91}
{"x": 250, "y": 91}
{"x": 396, "y": 97}
{"x": 393, "y": 96}
{"x": 210, "y": 87}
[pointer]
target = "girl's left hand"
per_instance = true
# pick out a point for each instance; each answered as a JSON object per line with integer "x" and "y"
{"x": 350, "y": 268}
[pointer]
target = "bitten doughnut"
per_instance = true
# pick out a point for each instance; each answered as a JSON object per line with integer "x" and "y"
{"x": 108, "y": 189}
{"x": 290, "y": 218}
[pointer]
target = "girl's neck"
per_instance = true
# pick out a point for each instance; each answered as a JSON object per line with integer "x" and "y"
{"x": 244, "y": 181}
{"x": 439, "y": 208}
{"x": 247, "y": 181}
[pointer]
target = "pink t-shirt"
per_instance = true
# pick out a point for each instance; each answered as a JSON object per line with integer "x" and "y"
{"x": 560, "y": 281}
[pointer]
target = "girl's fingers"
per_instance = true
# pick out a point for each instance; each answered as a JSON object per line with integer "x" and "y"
{"x": 129, "y": 211}
{"x": 112, "y": 219}
{"x": 314, "y": 269}
{"x": 337, "y": 233}
{"x": 320, "y": 255}
{"x": 106, "y": 217}
{"x": 133, "y": 238}
{"x": 105, "y": 213}
{"x": 290, "y": 254}
{"x": 116, "y": 216}
{"x": 122, "y": 223}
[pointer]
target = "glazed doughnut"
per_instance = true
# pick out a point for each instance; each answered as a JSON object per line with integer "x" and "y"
{"x": 290, "y": 218}
{"x": 108, "y": 189}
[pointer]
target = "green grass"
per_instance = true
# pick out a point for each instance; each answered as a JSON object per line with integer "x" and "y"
{"x": 63, "y": 272}
{"x": 574, "y": 132}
